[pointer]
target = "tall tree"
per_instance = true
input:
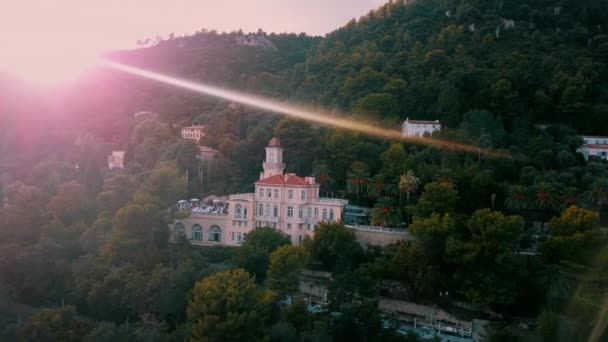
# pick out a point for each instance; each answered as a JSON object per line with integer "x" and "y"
{"x": 254, "y": 254}
{"x": 228, "y": 306}
{"x": 286, "y": 263}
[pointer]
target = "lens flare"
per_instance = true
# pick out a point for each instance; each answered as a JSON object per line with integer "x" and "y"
{"x": 299, "y": 112}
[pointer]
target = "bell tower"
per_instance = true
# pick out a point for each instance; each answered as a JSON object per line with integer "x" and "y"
{"x": 273, "y": 165}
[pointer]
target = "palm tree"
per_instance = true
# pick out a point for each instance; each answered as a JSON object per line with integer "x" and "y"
{"x": 385, "y": 213}
{"x": 517, "y": 199}
{"x": 377, "y": 187}
{"x": 544, "y": 199}
{"x": 597, "y": 194}
{"x": 323, "y": 175}
{"x": 569, "y": 197}
{"x": 409, "y": 183}
{"x": 446, "y": 176}
{"x": 357, "y": 178}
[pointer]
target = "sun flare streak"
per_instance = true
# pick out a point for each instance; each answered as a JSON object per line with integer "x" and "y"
{"x": 299, "y": 112}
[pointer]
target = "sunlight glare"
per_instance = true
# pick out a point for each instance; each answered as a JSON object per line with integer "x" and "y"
{"x": 299, "y": 112}
{"x": 49, "y": 67}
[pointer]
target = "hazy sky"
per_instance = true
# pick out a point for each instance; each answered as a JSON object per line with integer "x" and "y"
{"x": 119, "y": 23}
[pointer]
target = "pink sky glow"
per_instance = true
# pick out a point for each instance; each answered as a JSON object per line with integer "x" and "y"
{"x": 50, "y": 39}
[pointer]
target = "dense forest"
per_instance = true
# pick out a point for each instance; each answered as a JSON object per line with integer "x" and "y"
{"x": 84, "y": 252}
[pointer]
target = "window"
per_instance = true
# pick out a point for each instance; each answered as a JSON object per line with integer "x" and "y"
{"x": 289, "y": 211}
{"x": 267, "y": 210}
{"x": 237, "y": 211}
{"x": 215, "y": 234}
{"x": 309, "y": 226}
{"x": 331, "y": 214}
{"x": 325, "y": 214}
{"x": 275, "y": 211}
{"x": 245, "y": 213}
{"x": 309, "y": 212}
{"x": 290, "y": 194}
{"x": 232, "y": 236}
{"x": 269, "y": 193}
{"x": 300, "y": 212}
{"x": 260, "y": 210}
{"x": 300, "y": 226}
{"x": 261, "y": 192}
{"x": 316, "y": 212}
{"x": 276, "y": 193}
{"x": 303, "y": 195}
{"x": 289, "y": 226}
{"x": 180, "y": 230}
{"x": 300, "y": 238}
{"x": 197, "y": 233}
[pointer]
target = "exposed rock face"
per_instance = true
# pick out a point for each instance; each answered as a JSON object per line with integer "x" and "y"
{"x": 255, "y": 40}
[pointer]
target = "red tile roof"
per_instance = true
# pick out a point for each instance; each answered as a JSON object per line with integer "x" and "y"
{"x": 274, "y": 142}
{"x": 288, "y": 179}
{"x": 596, "y": 145}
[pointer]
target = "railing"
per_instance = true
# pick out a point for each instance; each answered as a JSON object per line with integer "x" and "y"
{"x": 377, "y": 229}
{"x": 247, "y": 197}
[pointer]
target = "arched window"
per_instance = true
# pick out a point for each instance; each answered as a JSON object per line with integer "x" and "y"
{"x": 197, "y": 233}
{"x": 180, "y": 230}
{"x": 267, "y": 210}
{"x": 215, "y": 234}
{"x": 275, "y": 211}
{"x": 331, "y": 214}
{"x": 237, "y": 211}
{"x": 325, "y": 214}
{"x": 316, "y": 212}
{"x": 260, "y": 210}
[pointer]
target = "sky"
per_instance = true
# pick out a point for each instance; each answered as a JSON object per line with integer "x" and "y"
{"x": 111, "y": 24}
{"x": 50, "y": 40}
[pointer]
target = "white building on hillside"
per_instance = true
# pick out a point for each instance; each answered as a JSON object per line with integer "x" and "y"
{"x": 417, "y": 128}
{"x": 594, "y": 146}
{"x": 116, "y": 160}
{"x": 193, "y": 132}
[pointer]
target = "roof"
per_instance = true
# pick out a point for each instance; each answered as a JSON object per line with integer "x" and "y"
{"x": 595, "y": 136}
{"x": 422, "y": 121}
{"x": 599, "y": 146}
{"x": 288, "y": 179}
{"x": 274, "y": 142}
{"x": 195, "y": 127}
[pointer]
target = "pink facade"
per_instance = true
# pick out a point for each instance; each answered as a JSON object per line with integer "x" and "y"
{"x": 286, "y": 202}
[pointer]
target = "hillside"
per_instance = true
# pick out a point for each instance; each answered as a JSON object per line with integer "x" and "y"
{"x": 518, "y": 235}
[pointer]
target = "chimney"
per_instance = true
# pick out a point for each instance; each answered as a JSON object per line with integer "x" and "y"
{"x": 310, "y": 180}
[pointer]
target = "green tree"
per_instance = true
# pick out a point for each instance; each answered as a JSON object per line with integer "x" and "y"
{"x": 286, "y": 263}
{"x": 488, "y": 269}
{"x": 254, "y": 254}
{"x": 358, "y": 174}
{"x": 62, "y": 324}
{"x": 547, "y": 326}
{"x": 517, "y": 198}
{"x": 386, "y": 213}
{"x": 228, "y": 306}
{"x": 72, "y": 204}
{"x": 545, "y": 199}
{"x": 597, "y": 194}
{"x": 334, "y": 247}
{"x": 409, "y": 184}
{"x": 437, "y": 198}
{"x": 575, "y": 236}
